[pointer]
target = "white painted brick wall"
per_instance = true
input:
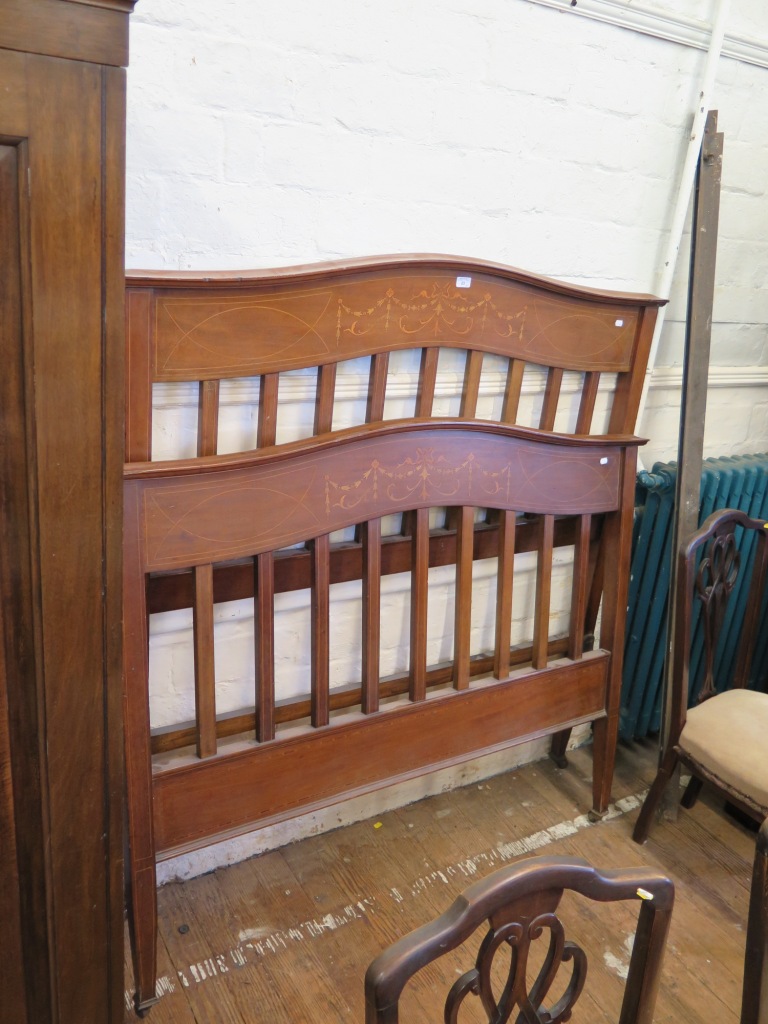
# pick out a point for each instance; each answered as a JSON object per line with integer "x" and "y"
{"x": 273, "y": 133}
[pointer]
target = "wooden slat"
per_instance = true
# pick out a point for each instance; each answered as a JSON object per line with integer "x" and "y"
{"x": 377, "y": 387}
{"x": 138, "y": 377}
{"x": 752, "y": 619}
{"x": 580, "y": 589}
{"x": 326, "y": 389}
{"x": 504, "y": 587}
{"x": 511, "y": 405}
{"x": 427, "y": 377}
{"x": 320, "y": 612}
{"x": 629, "y": 386}
{"x": 419, "y": 587}
{"x": 463, "y": 603}
{"x": 587, "y": 403}
{"x": 543, "y": 592}
{"x": 267, "y": 426}
{"x": 208, "y": 417}
{"x": 371, "y": 541}
{"x": 264, "y": 643}
{"x": 551, "y": 398}
{"x": 205, "y": 672}
{"x": 471, "y": 389}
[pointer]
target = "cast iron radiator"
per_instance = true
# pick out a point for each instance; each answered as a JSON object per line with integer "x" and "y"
{"x": 739, "y": 481}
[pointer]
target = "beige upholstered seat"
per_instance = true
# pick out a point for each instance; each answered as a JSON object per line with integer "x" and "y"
{"x": 724, "y": 738}
{"x": 729, "y": 736}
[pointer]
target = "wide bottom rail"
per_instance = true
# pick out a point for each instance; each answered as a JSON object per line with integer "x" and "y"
{"x": 315, "y": 767}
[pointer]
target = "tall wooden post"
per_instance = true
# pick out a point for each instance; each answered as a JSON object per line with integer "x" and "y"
{"x": 701, "y": 289}
{"x": 62, "y": 130}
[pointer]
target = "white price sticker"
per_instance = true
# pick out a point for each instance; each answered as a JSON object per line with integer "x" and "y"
{"x": 463, "y": 282}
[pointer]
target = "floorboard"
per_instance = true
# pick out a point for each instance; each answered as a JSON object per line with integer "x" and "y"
{"x": 285, "y": 937}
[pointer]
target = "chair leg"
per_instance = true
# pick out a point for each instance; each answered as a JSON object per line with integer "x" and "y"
{"x": 604, "y": 737}
{"x": 754, "y": 1005}
{"x": 653, "y": 800}
{"x": 691, "y": 794}
{"x": 559, "y": 746}
{"x": 142, "y": 922}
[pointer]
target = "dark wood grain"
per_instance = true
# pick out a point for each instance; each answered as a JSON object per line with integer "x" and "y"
{"x": 208, "y": 417}
{"x": 504, "y": 589}
{"x": 268, "y": 394}
{"x": 419, "y": 598}
{"x": 543, "y": 592}
{"x": 377, "y": 388}
{"x": 371, "y": 626}
{"x": 754, "y": 1003}
{"x": 205, "y": 669}
{"x": 523, "y": 900}
{"x": 320, "y": 629}
{"x": 393, "y": 745}
{"x": 264, "y": 645}
{"x": 62, "y": 297}
{"x": 229, "y": 510}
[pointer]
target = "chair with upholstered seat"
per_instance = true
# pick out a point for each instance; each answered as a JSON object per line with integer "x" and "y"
{"x": 722, "y": 739}
{"x": 519, "y": 906}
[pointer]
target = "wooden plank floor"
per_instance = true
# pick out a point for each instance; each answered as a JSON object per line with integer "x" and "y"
{"x": 286, "y": 937}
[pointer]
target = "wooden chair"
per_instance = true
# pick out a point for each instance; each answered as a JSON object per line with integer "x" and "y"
{"x": 519, "y": 904}
{"x": 722, "y": 739}
{"x": 754, "y": 1005}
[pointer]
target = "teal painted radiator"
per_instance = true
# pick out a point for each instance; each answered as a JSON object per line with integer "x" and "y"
{"x": 739, "y": 481}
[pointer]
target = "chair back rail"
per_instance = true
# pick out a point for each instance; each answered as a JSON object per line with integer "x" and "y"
{"x": 517, "y": 905}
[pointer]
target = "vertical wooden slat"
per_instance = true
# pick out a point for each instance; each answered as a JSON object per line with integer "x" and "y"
{"x": 465, "y": 535}
{"x": 326, "y": 387}
{"x": 551, "y": 398}
{"x": 264, "y": 641}
{"x": 580, "y": 589}
{"x": 267, "y": 426}
{"x": 504, "y": 595}
{"x": 752, "y": 618}
{"x": 471, "y": 389}
{"x": 377, "y": 387}
{"x": 543, "y": 592}
{"x": 371, "y": 540}
{"x": 320, "y": 611}
{"x": 142, "y": 888}
{"x": 587, "y": 403}
{"x": 138, "y": 375}
{"x": 419, "y": 585}
{"x": 205, "y": 672}
{"x": 208, "y": 417}
{"x": 427, "y": 378}
{"x": 615, "y": 552}
{"x": 629, "y": 386}
{"x": 511, "y": 402}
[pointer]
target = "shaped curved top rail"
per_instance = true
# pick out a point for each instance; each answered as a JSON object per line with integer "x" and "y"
{"x": 249, "y": 503}
{"x": 218, "y": 325}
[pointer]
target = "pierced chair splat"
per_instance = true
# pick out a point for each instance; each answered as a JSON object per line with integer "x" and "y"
{"x": 519, "y": 905}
